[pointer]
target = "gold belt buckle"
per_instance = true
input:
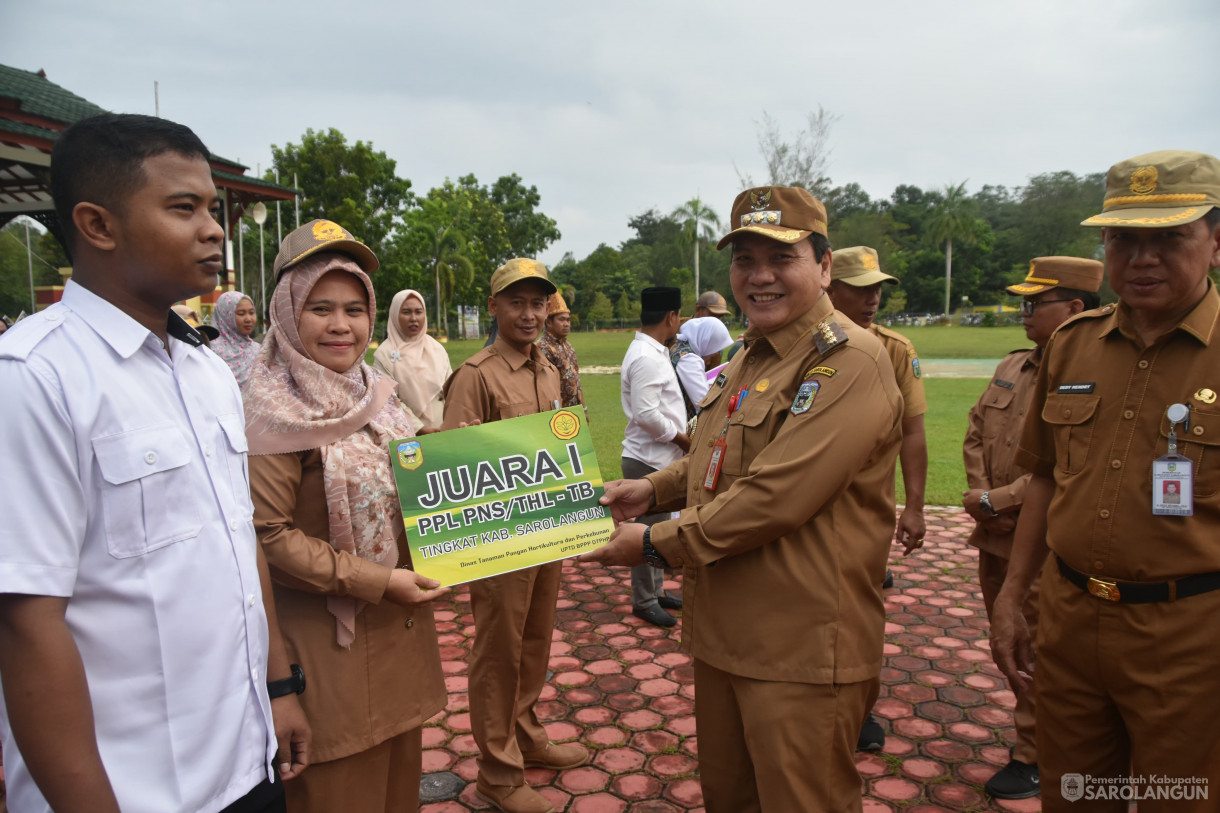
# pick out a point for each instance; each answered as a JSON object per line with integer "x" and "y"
{"x": 1107, "y": 591}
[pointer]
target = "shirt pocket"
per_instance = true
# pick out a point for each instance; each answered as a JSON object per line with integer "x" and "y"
{"x": 996, "y": 402}
{"x": 509, "y": 411}
{"x": 148, "y": 501}
{"x": 747, "y": 436}
{"x": 1201, "y": 444}
{"x": 1072, "y": 420}
{"x": 234, "y": 429}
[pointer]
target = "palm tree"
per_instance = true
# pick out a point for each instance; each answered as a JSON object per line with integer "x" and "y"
{"x": 697, "y": 221}
{"x": 953, "y": 219}
{"x": 443, "y": 249}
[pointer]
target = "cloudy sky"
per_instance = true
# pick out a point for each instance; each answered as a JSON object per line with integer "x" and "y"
{"x": 614, "y": 108}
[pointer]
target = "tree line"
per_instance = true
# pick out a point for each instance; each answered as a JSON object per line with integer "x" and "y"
{"x": 447, "y": 242}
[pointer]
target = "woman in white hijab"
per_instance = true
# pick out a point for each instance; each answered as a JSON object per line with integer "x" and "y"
{"x": 699, "y": 337}
{"x": 415, "y": 360}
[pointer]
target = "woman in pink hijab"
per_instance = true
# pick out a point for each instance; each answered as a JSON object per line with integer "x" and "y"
{"x": 234, "y": 317}
{"x": 352, "y": 613}
{"x": 415, "y": 360}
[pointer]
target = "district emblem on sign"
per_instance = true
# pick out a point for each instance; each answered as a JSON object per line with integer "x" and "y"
{"x": 565, "y": 425}
{"x": 804, "y": 397}
{"x": 410, "y": 456}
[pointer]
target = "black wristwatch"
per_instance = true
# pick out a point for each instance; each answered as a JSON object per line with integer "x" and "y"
{"x": 289, "y": 685}
{"x": 651, "y": 556}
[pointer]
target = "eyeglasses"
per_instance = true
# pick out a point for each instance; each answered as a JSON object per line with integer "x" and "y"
{"x": 1028, "y": 306}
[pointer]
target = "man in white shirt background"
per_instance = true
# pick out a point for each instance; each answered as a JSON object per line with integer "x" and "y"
{"x": 656, "y": 429}
{"x": 135, "y": 646}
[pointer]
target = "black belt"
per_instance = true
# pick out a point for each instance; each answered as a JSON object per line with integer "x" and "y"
{"x": 1140, "y": 592}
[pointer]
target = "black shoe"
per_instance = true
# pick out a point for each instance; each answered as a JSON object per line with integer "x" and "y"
{"x": 872, "y": 735}
{"x": 1016, "y": 780}
{"x": 889, "y": 579}
{"x": 654, "y": 615}
{"x": 669, "y": 602}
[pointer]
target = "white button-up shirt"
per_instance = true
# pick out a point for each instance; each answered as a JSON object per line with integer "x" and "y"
{"x": 124, "y": 488}
{"x": 652, "y": 402}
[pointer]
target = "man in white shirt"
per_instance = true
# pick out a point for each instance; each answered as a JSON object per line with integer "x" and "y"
{"x": 134, "y": 643}
{"x": 656, "y": 429}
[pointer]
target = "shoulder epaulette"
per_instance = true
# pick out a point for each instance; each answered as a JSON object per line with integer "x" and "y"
{"x": 829, "y": 336}
{"x": 483, "y": 355}
{"x": 1096, "y": 313}
{"x": 21, "y": 339}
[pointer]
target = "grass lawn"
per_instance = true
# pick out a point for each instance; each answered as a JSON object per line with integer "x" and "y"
{"x": 949, "y": 399}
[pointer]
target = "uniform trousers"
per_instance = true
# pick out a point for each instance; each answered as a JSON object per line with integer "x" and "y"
{"x": 514, "y": 617}
{"x": 778, "y": 747}
{"x": 382, "y": 778}
{"x": 993, "y": 569}
{"x": 1126, "y": 690}
{"x": 647, "y": 581}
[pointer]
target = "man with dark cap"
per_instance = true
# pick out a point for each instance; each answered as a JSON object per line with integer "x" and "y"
{"x": 656, "y": 430}
{"x": 1055, "y": 290}
{"x": 787, "y": 501}
{"x": 514, "y": 613}
{"x": 1125, "y": 401}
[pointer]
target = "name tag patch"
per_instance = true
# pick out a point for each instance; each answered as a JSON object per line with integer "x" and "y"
{"x": 999, "y": 382}
{"x": 1080, "y": 388}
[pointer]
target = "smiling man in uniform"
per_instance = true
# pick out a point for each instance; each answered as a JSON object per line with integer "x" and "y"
{"x": 1127, "y": 661}
{"x": 787, "y": 504}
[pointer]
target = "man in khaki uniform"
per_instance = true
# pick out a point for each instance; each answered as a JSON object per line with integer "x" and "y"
{"x": 855, "y": 289}
{"x": 514, "y": 613}
{"x": 787, "y": 499}
{"x": 1056, "y": 289}
{"x": 1127, "y": 657}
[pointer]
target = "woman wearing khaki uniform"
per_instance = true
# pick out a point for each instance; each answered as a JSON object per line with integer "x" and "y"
{"x": 327, "y": 517}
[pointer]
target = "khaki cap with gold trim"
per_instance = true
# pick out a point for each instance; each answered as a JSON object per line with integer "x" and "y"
{"x": 518, "y": 269}
{"x": 857, "y": 266}
{"x": 1057, "y": 272}
{"x": 788, "y": 214}
{"x": 1166, "y": 188}
{"x": 322, "y": 235}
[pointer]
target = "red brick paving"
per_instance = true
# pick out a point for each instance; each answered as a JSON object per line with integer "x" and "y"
{"x": 624, "y": 690}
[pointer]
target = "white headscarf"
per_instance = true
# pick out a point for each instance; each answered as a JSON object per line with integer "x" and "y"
{"x": 705, "y": 335}
{"x": 420, "y": 366}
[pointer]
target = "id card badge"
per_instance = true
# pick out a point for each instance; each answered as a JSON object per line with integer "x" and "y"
{"x": 713, "y": 465}
{"x": 1173, "y": 486}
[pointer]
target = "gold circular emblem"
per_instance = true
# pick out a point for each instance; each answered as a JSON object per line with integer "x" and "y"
{"x": 1206, "y": 396}
{"x": 772, "y": 217}
{"x": 527, "y": 268}
{"x": 565, "y": 425}
{"x": 1143, "y": 180}
{"x": 761, "y": 386}
{"x": 328, "y": 230}
{"x": 870, "y": 262}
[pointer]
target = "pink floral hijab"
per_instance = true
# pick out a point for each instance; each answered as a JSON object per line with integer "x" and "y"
{"x": 294, "y": 404}
{"x": 238, "y": 351}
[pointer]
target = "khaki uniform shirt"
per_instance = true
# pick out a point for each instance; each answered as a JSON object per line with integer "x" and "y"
{"x": 990, "y": 449}
{"x": 780, "y": 582}
{"x": 498, "y": 383}
{"x": 389, "y": 681}
{"x": 906, "y": 370}
{"x": 1099, "y": 437}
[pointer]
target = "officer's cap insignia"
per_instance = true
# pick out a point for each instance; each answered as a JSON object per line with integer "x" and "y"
{"x": 869, "y": 262}
{"x": 760, "y": 200}
{"x": 1143, "y": 180}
